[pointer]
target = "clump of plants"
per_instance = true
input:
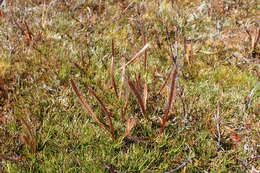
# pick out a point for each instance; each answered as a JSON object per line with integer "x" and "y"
{"x": 139, "y": 89}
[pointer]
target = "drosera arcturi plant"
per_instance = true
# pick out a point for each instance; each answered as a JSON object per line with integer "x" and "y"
{"x": 254, "y": 38}
{"x": 110, "y": 127}
{"x": 140, "y": 90}
{"x": 105, "y": 111}
{"x": 135, "y": 88}
{"x": 141, "y": 100}
{"x": 112, "y": 68}
{"x": 29, "y": 136}
{"x": 87, "y": 106}
{"x": 171, "y": 99}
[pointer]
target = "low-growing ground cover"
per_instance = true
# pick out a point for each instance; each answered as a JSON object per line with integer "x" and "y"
{"x": 129, "y": 86}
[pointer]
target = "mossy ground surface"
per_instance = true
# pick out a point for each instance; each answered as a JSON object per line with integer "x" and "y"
{"x": 214, "y": 123}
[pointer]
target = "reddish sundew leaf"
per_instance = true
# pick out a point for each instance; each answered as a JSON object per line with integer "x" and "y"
{"x": 2, "y": 14}
{"x": 12, "y": 158}
{"x": 145, "y": 95}
{"x": 138, "y": 96}
{"x": 147, "y": 45}
{"x": 235, "y": 137}
{"x": 188, "y": 51}
{"x": 3, "y": 119}
{"x": 138, "y": 139}
{"x": 165, "y": 82}
{"x": 112, "y": 67}
{"x": 130, "y": 124}
{"x": 104, "y": 109}
{"x": 110, "y": 167}
{"x": 145, "y": 52}
{"x": 27, "y": 141}
{"x": 29, "y": 138}
{"x": 123, "y": 76}
{"x": 28, "y": 33}
{"x": 171, "y": 97}
{"x": 86, "y": 106}
{"x": 124, "y": 109}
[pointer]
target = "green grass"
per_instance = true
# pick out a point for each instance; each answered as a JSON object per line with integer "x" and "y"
{"x": 213, "y": 123}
